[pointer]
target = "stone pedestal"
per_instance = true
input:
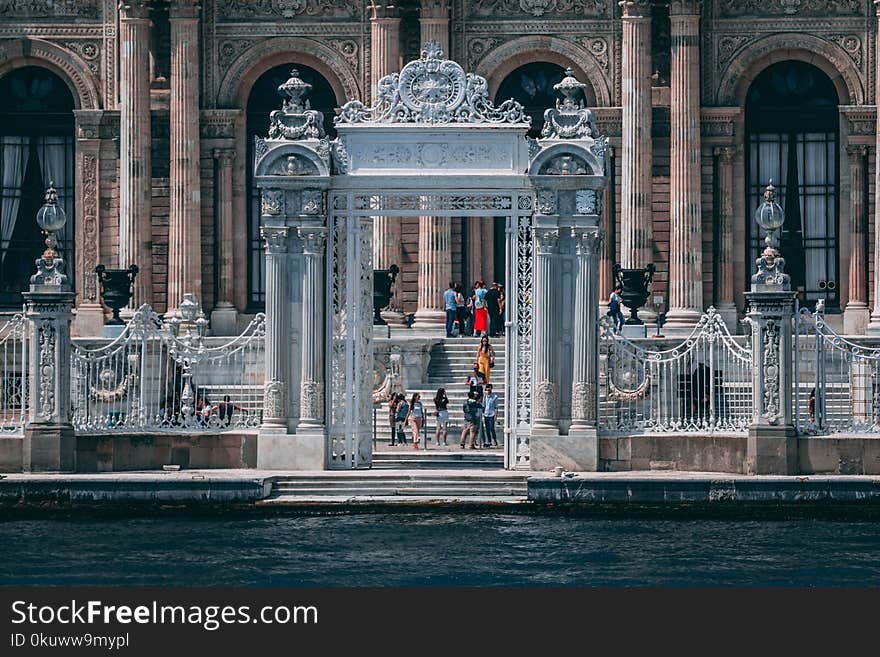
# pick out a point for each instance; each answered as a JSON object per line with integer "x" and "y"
{"x": 772, "y": 444}
{"x": 49, "y": 443}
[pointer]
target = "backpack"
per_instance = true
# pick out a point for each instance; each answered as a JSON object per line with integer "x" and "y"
{"x": 480, "y": 296}
{"x": 402, "y": 410}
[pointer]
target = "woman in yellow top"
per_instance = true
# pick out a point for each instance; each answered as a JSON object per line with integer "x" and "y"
{"x": 485, "y": 357}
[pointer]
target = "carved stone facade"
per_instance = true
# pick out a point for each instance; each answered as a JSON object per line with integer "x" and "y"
{"x": 238, "y": 41}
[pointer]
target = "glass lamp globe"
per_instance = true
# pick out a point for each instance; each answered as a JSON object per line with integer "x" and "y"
{"x": 770, "y": 214}
{"x": 51, "y": 217}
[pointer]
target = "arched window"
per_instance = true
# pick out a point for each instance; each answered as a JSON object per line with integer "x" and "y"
{"x": 264, "y": 99}
{"x": 532, "y": 86}
{"x": 792, "y": 137}
{"x": 36, "y": 148}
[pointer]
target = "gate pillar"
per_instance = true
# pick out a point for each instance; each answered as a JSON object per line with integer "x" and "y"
{"x": 568, "y": 172}
{"x": 772, "y": 442}
{"x": 292, "y": 171}
{"x": 49, "y": 442}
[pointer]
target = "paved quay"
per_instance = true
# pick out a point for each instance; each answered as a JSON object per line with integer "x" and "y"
{"x": 446, "y": 486}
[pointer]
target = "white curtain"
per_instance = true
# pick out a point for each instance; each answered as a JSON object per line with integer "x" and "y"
{"x": 56, "y": 169}
{"x": 817, "y": 174}
{"x": 14, "y": 157}
{"x": 769, "y": 161}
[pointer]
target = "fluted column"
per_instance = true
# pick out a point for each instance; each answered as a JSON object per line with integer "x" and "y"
{"x": 135, "y": 184}
{"x": 685, "y": 229}
{"x": 607, "y": 256}
{"x": 855, "y": 316}
{"x": 223, "y": 317}
{"x": 636, "y": 158}
{"x": 585, "y": 365}
{"x": 435, "y": 270}
{"x": 275, "y": 406}
{"x": 725, "y": 303}
{"x": 312, "y": 388}
{"x": 545, "y": 408}
{"x": 384, "y": 60}
{"x": 184, "y": 222}
{"x": 874, "y": 325}
{"x": 434, "y": 23}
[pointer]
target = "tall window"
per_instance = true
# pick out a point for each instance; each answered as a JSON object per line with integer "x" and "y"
{"x": 36, "y": 148}
{"x": 792, "y": 127}
{"x": 264, "y": 99}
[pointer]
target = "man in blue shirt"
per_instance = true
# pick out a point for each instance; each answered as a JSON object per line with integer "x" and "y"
{"x": 451, "y": 308}
{"x": 490, "y": 409}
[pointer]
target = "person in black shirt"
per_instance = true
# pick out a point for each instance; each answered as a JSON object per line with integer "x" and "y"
{"x": 493, "y": 296}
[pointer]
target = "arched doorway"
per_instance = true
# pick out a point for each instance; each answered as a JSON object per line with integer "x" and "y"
{"x": 264, "y": 99}
{"x": 792, "y": 137}
{"x": 36, "y": 148}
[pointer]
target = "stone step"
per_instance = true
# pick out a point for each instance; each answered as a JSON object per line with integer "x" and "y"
{"x": 450, "y": 492}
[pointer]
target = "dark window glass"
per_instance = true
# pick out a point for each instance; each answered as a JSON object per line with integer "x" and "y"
{"x": 792, "y": 128}
{"x": 36, "y": 148}
{"x": 532, "y": 86}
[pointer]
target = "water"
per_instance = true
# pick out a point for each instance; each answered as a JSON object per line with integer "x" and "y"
{"x": 436, "y": 548}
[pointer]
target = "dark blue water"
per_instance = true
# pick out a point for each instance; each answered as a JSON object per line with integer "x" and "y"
{"x": 437, "y": 548}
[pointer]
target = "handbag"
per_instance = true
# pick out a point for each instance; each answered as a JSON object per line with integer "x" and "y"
{"x": 491, "y": 364}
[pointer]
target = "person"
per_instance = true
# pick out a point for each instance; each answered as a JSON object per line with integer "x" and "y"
{"x": 461, "y": 312}
{"x": 449, "y": 303}
{"x": 476, "y": 380}
{"x": 485, "y": 358}
{"x": 392, "y": 417}
{"x": 441, "y": 404}
{"x": 614, "y": 308}
{"x": 471, "y": 410}
{"x": 481, "y": 315}
{"x": 416, "y": 418}
{"x": 490, "y": 410}
{"x": 225, "y": 409}
{"x": 493, "y": 307}
{"x": 811, "y": 406}
{"x": 400, "y": 418}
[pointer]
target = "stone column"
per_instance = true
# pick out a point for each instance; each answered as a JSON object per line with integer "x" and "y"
{"x": 135, "y": 183}
{"x": 384, "y": 60}
{"x": 607, "y": 255}
{"x": 585, "y": 367}
{"x": 434, "y": 23}
{"x": 685, "y": 229}
{"x": 545, "y": 407}
{"x": 184, "y": 221}
{"x": 725, "y": 303}
{"x": 89, "y": 310}
{"x": 312, "y": 388}
{"x": 275, "y": 405}
{"x": 873, "y": 327}
{"x": 636, "y": 158}
{"x": 856, "y": 315}
{"x": 49, "y": 442}
{"x": 435, "y": 271}
{"x": 223, "y": 318}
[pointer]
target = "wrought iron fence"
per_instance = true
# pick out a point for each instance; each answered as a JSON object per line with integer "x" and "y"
{"x": 836, "y": 382}
{"x": 150, "y": 379}
{"x": 704, "y": 384}
{"x": 14, "y": 391}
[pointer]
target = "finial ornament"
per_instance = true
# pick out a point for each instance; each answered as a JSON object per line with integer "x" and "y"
{"x": 570, "y": 119}
{"x": 771, "y": 265}
{"x": 296, "y": 119}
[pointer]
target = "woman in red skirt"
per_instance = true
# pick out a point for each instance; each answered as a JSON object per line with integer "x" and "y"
{"x": 481, "y": 313}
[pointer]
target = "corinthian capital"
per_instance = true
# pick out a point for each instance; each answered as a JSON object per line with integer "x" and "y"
{"x": 685, "y": 7}
{"x": 275, "y": 238}
{"x": 134, "y": 9}
{"x": 184, "y": 9}
{"x": 379, "y": 9}
{"x": 434, "y": 9}
{"x": 635, "y": 8}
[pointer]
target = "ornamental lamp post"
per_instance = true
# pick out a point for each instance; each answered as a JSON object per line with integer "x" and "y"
{"x": 51, "y": 218}
{"x": 770, "y": 264}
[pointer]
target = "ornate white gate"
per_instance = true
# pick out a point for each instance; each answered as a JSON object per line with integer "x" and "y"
{"x": 703, "y": 384}
{"x": 433, "y": 145}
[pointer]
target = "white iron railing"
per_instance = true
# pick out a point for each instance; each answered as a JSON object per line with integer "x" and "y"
{"x": 14, "y": 391}
{"x": 151, "y": 380}
{"x": 702, "y": 385}
{"x": 836, "y": 381}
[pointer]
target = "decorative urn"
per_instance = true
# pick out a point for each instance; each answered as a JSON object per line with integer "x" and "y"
{"x": 635, "y": 284}
{"x": 116, "y": 289}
